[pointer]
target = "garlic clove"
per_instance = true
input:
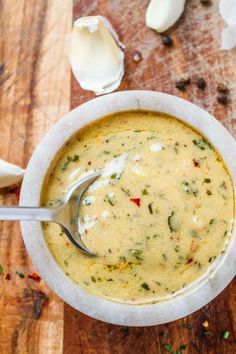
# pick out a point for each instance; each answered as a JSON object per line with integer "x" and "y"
{"x": 96, "y": 57}
{"x": 9, "y": 174}
{"x": 228, "y": 37}
{"x": 163, "y": 14}
{"x": 228, "y": 11}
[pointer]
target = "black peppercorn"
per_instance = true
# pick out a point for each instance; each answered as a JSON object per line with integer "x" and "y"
{"x": 181, "y": 84}
{"x": 167, "y": 40}
{"x": 222, "y": 88}
{"x": 186, "y": 80}
{"x": 201, "y": 83}
{"x": 206, "y": 2}
{"x": 223, "y": 99}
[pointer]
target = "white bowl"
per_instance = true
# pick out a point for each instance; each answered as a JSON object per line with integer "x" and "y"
{"x": 195, "y": 296}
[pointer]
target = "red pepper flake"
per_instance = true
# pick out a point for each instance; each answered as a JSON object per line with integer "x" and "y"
{"x": 90, "y": 163}
{"x": 189, "y": 260}
{"x": 35, "y": 277}
{"x": 196, "y": 163}
{"x": 137, "y": 201}
{"x": 8, "y": 277}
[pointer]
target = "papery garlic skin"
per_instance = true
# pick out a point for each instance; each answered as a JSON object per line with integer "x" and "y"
{"x": 10, "y": 174}
{"x": 163, "y": 14}
{"x": 228, "y": 11}
{"x": 97, "y": 59}
{"x": 228, "y": 38}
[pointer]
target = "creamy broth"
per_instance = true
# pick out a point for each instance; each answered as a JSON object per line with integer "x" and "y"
{"x": 159, "y": 215}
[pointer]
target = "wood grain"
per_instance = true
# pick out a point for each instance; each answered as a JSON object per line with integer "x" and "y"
{"x": 196, "y": 52}
{"x": 34, "y": 93}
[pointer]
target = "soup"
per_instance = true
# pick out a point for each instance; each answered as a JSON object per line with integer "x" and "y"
{"x": 159, "y": 215}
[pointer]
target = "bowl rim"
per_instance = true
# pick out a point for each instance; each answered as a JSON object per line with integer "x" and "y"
{"x": 102, "y": 309}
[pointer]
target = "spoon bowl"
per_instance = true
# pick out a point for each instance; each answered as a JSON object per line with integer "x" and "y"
{"x": 66, "y": 214}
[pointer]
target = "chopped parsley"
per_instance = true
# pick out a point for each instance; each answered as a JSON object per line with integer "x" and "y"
{"x": 114, "y": 175}
{"x": 145, "y": 192}
{"x": 150, "y": 208}
{"x": 20, "y": 275}
{"x": 225, "y": 335}
{"x": 172, "y": 222}
{"x": 136, "y": 253}
{"x": 170, "y": 349}
{"x": 110, "y": 200}
{"x": 74, "y": 158}
{"x": 190, "y": 187}
{"x": 126, "y": 191}
{"x": 202, "y": 144}
{"x": 1, "y": 269}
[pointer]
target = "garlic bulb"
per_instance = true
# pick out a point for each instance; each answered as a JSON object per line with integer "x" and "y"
{"x": 97, "y": 59}
{"x": 9, "y": 174}
{"x": 163, "y": 14}
{"x": 228, "y": 13}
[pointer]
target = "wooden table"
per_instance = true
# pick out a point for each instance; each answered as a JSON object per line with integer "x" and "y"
{"x": 36, "y": 89}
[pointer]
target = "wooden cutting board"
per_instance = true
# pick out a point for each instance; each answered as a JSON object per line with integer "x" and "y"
{"x": 36, "y": 89}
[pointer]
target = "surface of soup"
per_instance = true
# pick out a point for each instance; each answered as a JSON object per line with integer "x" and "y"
{"x": 159, "y": 215}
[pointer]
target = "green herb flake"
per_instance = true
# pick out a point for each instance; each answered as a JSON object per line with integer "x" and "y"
{"x": 194, "y": 233}
{"x": 74, "y": 158}
{"x": 93, "y": 279}
{"x": 202, "y": 144}
{"x": 110, "y": 201}
{"x": 168, "y": 347}
{"x": 1, "y": 269}
{"x": 206, "y": 333}
{"x": 150, "y": 208}
{"x": 182, "y": 347}
{"x": 145, "y": 192}
{"x": 172, "y": 222}
{"x": 225, "y": 335}
{"x": 190, "y": 187}
{"x": 208, "y": 192}
{"x": 136, "y": 253}
{"x": 164, "y": 256}
{"x": 20, "y": 275}
{"x": 145, "y": 286}
{"x": 207, "y": 180}
{"x": 126, "y": 191}
{"x": 114, "y": 175}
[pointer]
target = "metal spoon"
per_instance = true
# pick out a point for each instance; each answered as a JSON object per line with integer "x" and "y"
{"x": 66, "y": 214}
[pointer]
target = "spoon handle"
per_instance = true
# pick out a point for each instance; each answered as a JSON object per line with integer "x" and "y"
{"x": 26, "y": 213}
